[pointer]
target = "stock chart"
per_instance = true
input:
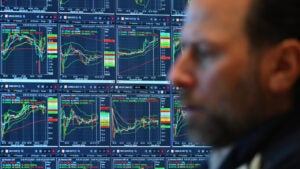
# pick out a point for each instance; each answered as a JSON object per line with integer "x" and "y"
{"x": 140, "y": 120}
{"x": 28, "y": 51}
{"x": 24, "y": 120}
{"x": 87, "y": 52}
{"x": 144, "y": 53}
{"x": 80, "y": 120}
{"x": 84, "y": 84}
{"x": 92, "y": 6}
{"x": 29, "y": 5}
{"x": 144, "y": 6}
{"x": 180, "y": 133}
{"x": 176, "y": 48}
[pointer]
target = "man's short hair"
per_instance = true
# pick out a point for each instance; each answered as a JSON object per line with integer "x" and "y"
{"x": 269, "y": 22}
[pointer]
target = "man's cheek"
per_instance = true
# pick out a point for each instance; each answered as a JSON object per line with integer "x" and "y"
{"x": 210, "y": 83}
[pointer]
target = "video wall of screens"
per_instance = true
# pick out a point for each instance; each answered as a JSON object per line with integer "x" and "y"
{"x": 83, "y": 84}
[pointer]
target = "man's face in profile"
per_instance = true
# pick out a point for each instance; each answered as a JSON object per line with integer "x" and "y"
{"x": 218, "y": 72}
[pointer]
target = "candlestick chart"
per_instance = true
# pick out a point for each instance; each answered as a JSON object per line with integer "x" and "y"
{"x": 23, "y": 119}
{"x": 80, "y": 120}
{"x": 24, "y": 45}
{"x": 180, "y": 125}
{"x": 87, "y": 52}
{"x": 135, "y": 121}
{"x": 176, "y": 43}
{"x": 29, "y": 51}
{"x": 143, "y": 53}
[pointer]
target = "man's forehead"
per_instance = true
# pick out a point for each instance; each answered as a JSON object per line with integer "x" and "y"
{"x": 218, "y": 16}
{"x": 219, "y": 9}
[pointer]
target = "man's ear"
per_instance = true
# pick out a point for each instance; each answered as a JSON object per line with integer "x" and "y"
{"x": 284, "y": 66}
{"x": 281, "y": 66}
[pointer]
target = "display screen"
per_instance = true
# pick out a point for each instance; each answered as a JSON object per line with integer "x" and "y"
{"x": 83, "y": 84}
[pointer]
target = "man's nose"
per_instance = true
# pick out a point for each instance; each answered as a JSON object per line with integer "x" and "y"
{"x": 183, "y": 73}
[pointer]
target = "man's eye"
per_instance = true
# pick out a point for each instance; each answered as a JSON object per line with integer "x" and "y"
{"x": 204, "y": 52}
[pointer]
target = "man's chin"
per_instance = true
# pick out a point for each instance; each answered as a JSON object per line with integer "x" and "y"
{"x": 206, "y": 138}
{"x": 204, "y": 129}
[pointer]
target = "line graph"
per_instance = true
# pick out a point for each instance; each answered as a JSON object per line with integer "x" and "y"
{"x": 87, "y": 52}
{"x": 76, "y": 49}
{"x": 28, "y": 50}
{"x": 103, "y": 6}
{"x": 135, "y": 121}
{"x": 23, "y": 119}
{"x": 176, "y": 42}
{"x": 144, "y": 6}
{"x": 22, "y": 44}
{"x": 11, "y": 40}
{"x": 80, "y": 121}
{"x": 143, "y": 53}
{"x": 180, "y": 133}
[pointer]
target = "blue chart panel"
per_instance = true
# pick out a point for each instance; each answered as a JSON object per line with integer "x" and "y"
{"x": 87, "y": 52}
{"x": 176, "y": 48}
{"x": 179, "y": 6}
{"x": 24, "y": 120}
{"x": 80, "y": 120}
{"x": 144, "y": 6}
{"x": 84, "y": 163}
{"x": 180, "y": 133}
{"x": 28, "y": 120}
{"x": 144, "y": 53}
{"x": 138, "y": 163}
{"x": 174, "y": 163}
{"x": 138, "y": 120}
{"x": 41, "y": 163}
{"x": 28, "y": 51}
{"x": 29, "y": 5}
{"x": 91, "y": 6}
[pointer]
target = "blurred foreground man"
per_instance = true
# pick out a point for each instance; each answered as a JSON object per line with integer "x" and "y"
{"x": 239, "y": 71}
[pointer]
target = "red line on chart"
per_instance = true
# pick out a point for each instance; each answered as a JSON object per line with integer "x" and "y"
{"x": 18, "y": 128}
{"x": 84, "y": 37}
{"x": 135, "y": 67}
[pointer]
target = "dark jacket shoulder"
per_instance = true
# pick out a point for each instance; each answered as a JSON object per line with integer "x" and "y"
{"x": 277, "y": 142}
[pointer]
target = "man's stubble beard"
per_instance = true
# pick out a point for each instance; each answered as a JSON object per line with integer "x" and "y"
{"x": 234, "y": 114}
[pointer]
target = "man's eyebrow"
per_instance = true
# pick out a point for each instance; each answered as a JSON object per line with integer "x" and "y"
{"x": 198, "y": 42}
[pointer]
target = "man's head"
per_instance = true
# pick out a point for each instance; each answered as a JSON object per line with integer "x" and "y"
{"x": 237, "y": 71}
